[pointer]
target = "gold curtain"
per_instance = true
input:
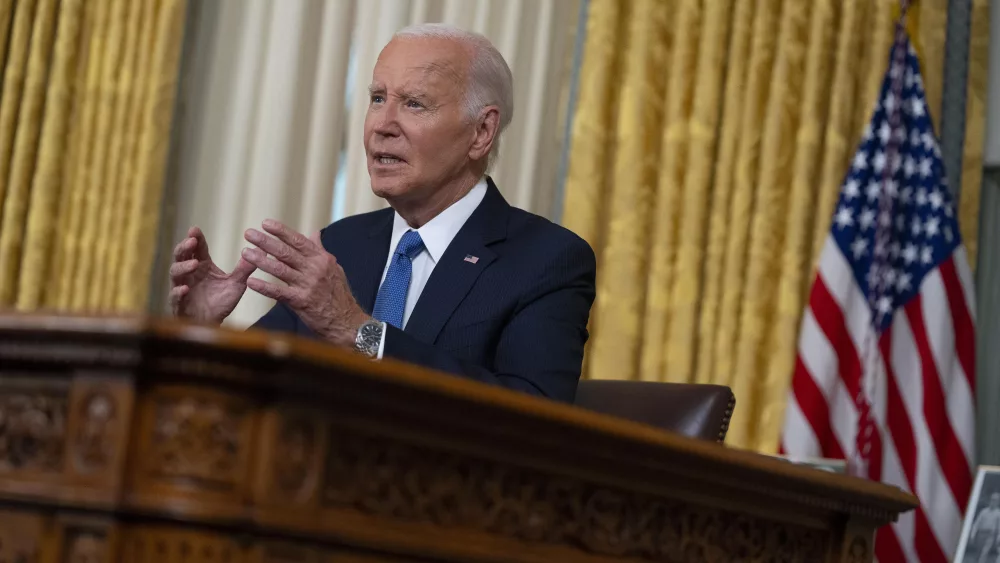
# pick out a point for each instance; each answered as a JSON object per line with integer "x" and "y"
{"x": 85, "y": 112}
{"x": 709, "y": 143}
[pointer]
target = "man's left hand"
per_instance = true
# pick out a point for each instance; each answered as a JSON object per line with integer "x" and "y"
{"x": 316, "y": 287}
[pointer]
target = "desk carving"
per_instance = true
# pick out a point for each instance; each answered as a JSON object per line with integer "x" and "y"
{"x": 451, "y": 490}
{"x": 143, "y": 441}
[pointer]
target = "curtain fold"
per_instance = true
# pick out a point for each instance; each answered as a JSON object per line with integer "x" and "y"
{"x": 709, "y": 143}
{"x": 278, "y": 96}
{"x": 77, "y": 232}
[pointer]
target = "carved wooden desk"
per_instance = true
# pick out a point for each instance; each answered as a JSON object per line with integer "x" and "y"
{"x": 143, "y": 441}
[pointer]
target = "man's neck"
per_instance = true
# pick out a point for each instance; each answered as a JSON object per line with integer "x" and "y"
{"x": 421, "y": 212}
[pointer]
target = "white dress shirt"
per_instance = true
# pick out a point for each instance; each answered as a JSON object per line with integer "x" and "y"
{"x": 437, "y": 234}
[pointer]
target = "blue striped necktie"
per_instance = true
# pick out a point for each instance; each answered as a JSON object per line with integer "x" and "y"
{"x": 391, "y": 300}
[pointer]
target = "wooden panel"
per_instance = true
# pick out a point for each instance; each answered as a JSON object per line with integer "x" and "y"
{"x": 192, "y": 449}
{"x": 20, "y": 537}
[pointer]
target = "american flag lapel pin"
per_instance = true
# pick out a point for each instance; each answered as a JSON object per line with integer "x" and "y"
{"x": 471, "y": 259}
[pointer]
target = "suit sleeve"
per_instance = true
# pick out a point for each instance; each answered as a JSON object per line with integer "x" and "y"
{"x": 540, "y": 351}
{"x": 280, "y": 319}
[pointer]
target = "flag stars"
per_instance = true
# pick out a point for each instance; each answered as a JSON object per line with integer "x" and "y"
{"x": 873, "y": 190}
{"x": 928, "y": 140}
{"x": 927, "y": 255}
{"x": 916, "y": 227}
{"x": 844, "y": 217}
{"x": 917, "y": 107}
{"x": 921, "y": 196}
{"x": 932, "y": 227}
{"x": 871, "y": 277}
{"x": 859, "y": 247}
{"x": 889, "y": 277}
{"x": 903, "y": 283}
{"x": 889, "y": 103}
{"x": 878, "y": 163}
{"x": 910, "y": 254}
{"x": 909, "y": 166}
{"x": 860, "y": 161}
{"x": 885, "y": 305}
{"x": 936, "y": 199}
{"x": 867, "y": 218}
{"x": 925, "y": 167}
{"x": 884, "y": 132}
{"x": 852, "y": 189}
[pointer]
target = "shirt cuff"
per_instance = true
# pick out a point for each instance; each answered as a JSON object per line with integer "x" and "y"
{"x": 381, "y": 343}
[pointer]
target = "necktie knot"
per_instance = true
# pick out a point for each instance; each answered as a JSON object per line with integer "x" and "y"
{"x": 410, "y": 245}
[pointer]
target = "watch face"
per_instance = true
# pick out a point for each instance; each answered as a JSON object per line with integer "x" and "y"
{"x": 370, "y": 331}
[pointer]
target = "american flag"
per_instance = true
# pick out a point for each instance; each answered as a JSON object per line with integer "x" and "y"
{"x": 885, "y": 370}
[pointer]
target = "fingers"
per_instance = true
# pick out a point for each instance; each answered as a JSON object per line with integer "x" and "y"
{"x": 277, "y": 248}
{"x": 267, "y": 289}
{"x": 194, "y": 246}
{"x": 267, "y": 264}
{"x": 185, "y": 249}
{"x": 180, "y": 269}
{"x": 243, "y": 270}
{"x": 291, "y": 237}
{"x": 176, "y": 296}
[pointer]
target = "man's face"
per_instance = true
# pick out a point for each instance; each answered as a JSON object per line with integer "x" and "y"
{"x": 417, "y": 136}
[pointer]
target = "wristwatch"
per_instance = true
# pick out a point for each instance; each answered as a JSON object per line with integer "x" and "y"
{"x": 369, "y": 337}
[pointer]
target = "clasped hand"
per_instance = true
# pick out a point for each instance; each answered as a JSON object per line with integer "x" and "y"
{"x": 316, "y": 287}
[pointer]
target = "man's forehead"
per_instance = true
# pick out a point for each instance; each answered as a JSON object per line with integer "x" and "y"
{"x": 423, "y": 59}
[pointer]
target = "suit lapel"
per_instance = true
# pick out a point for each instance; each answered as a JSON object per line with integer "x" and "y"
{"x": 367, "y": 272}
{"x": 454, "y": 276}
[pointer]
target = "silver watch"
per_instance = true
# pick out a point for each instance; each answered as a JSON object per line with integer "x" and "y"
{"x": 369, "y": 337}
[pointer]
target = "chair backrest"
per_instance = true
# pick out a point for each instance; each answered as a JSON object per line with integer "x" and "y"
{"x": 694, "y": 410}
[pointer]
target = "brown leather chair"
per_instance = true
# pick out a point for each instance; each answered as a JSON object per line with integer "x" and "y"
{"x": 694, "y": 410}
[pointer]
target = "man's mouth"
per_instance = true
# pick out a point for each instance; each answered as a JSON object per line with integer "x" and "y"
{"x": 386, "y": 158}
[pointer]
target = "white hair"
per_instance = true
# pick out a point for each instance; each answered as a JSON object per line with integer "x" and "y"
{"x": 490, "y": 80}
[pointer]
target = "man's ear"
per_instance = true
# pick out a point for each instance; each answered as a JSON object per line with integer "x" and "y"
{"x": 487, "y": 128}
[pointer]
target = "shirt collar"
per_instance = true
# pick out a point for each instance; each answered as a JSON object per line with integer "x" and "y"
{"x": 438, "y": 233}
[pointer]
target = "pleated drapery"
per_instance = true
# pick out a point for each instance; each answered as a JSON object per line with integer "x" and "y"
{"x": 85, "y": 114}
{"x": 708, "y": 146}
{"x": 278, "y": 96}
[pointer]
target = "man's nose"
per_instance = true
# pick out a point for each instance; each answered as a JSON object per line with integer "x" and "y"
{"x": 387, "y": 123}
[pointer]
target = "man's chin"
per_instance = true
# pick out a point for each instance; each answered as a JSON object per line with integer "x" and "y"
{"x": 386, "y": 188}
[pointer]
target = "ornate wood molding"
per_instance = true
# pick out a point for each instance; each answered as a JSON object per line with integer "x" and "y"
{"x": 390, "y": 479}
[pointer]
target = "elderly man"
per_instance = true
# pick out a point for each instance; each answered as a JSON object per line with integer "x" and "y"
{"x": 451, "y": 277}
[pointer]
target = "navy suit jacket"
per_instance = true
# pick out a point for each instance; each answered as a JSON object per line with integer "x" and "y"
{"x": 516, "y": 317}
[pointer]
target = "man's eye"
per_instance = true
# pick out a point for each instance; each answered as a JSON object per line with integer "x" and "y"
{"x": 377, "y": 98}
{"x": 413, "y": 104}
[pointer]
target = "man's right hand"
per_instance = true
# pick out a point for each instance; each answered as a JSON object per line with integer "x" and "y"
{"x": 199, "y": 289}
